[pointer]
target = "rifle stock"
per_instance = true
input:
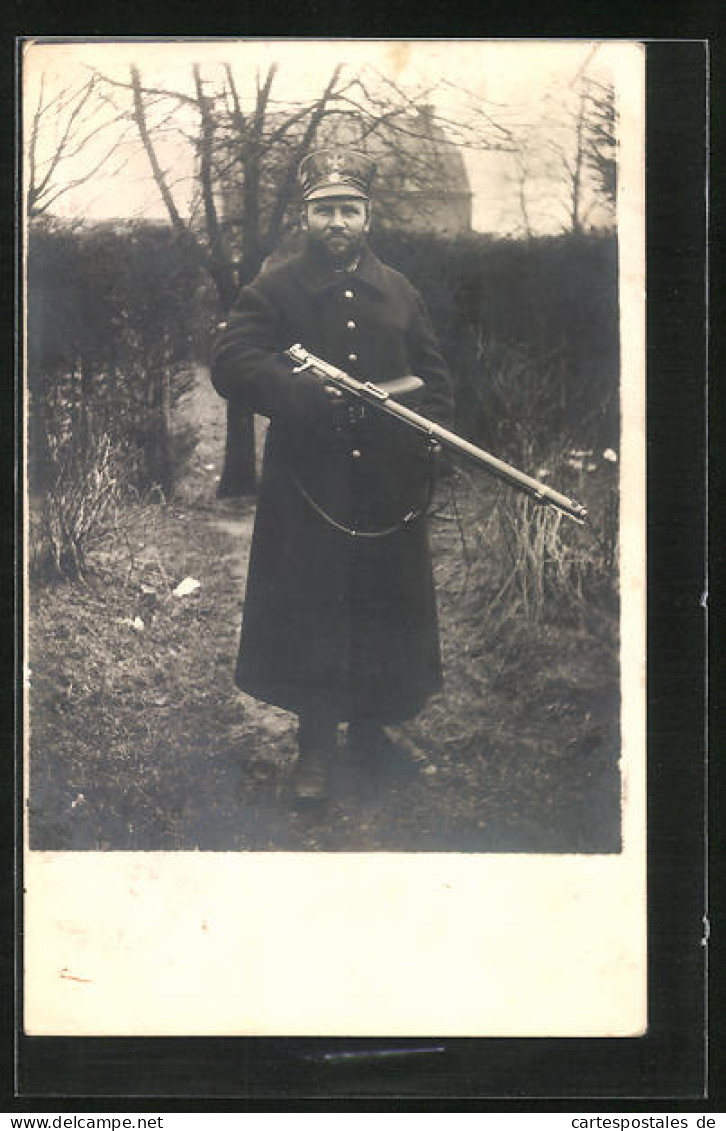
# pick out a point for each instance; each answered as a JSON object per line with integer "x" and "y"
{"x": 380, "y": 400}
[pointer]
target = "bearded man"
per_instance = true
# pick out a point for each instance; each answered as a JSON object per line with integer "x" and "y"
{"x": 340, "y": 622}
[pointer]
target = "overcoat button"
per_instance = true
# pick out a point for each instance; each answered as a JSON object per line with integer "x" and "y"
{"x": 349, "y": 294}
{"x": 352, "y": 357}
{"x": 351, "y": 325}
{"x": 355, "y": 454}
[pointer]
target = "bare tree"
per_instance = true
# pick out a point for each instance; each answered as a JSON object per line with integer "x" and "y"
{"x": 601, "y": 141}
{"x": 591, "y": 168}
{"x": 235, "y": 147}
{"x": 247, "y": 150}
{"x": 564, "y": 161}
{"x": 573, "y": 164}
{"x": 66, "y": 132}
{"x": 520, "y": 175}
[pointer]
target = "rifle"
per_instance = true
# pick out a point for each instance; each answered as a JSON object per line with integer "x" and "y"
{"x": 380, "y": 399}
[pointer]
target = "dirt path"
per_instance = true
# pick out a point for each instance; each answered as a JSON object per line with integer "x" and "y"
{"x": 141, "y": 741}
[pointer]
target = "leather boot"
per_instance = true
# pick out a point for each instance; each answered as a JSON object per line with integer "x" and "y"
{"x": 375, "y": 755}
{"x": 316, "y": 746}
{"x": 310, "y": 777}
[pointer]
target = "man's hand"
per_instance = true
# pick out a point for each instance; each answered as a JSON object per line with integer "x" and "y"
{"x": 318, "y": 406}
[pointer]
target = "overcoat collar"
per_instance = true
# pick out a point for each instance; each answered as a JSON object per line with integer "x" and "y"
{"x": 319, "y": 277}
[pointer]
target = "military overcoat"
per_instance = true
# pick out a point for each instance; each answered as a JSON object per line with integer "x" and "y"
{"x": 349, "y": 621}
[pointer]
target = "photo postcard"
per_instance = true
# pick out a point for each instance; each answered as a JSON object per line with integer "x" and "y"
{"x": 335, "y": 652}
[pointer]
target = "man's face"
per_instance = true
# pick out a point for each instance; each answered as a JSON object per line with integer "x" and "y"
{"x": 337, "y": 225}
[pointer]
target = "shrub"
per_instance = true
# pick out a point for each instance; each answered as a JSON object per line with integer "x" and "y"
{"x": 543, "y": 563}
{"x": 552, "y": 300}
{"x": 548, "y": 565}
{"x": 80, "y": 506}
{"x": 114, "y": 318}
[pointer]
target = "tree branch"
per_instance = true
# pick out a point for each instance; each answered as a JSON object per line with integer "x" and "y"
{"x": 179, "y": 95}
{"x": 139, "y": 115}
{"x": 288, "y": 182}
{"x": 219, "y": 259}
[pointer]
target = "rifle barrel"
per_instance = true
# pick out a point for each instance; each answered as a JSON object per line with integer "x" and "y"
{"x": 379, "y": 399}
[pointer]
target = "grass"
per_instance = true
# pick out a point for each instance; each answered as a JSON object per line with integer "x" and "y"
{"x": 139, "y": 740}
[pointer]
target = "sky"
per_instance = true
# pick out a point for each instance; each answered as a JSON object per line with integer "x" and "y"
{"x": 509, "y": 79}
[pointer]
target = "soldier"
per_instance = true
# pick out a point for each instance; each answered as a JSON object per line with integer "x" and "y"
{"x": 340, "y": 620}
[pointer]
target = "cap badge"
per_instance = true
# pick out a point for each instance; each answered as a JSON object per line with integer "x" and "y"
{"x": 331, "y": 172}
